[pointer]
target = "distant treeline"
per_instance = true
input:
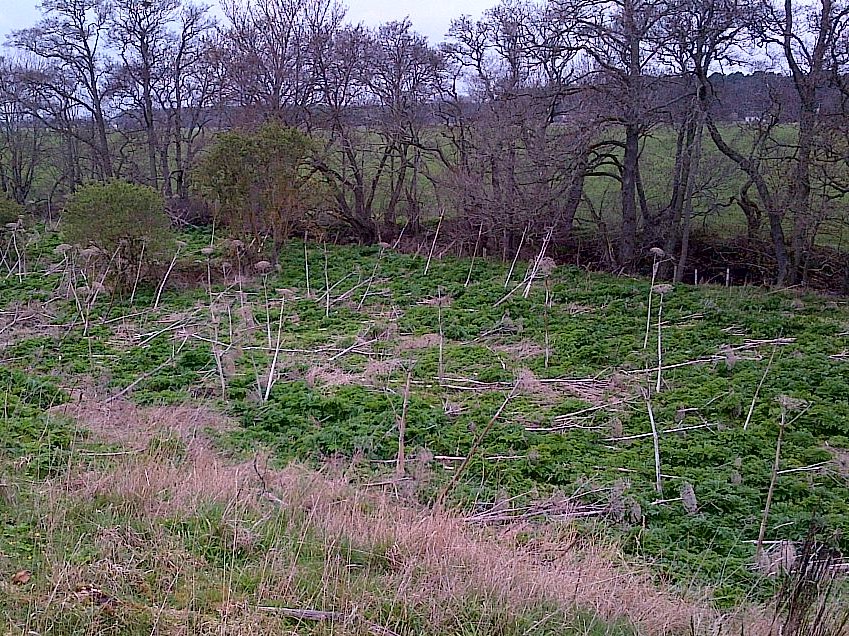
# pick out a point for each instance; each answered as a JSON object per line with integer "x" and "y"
{"x": 507, "y": 127}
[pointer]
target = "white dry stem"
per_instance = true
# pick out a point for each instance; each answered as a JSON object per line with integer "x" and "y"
{"x": 138, "y": 274}
{"x": 537, "y": 262}
{"x": 306, "y": 265}
{"x": 326, "y": 285}
{"x": 273, "y": 367}
{"x": 441, "y": 367}
{"x": 656, "y": 443}
{"x": 402, "y": 426}
{"x": 165, "y": 278}
{"x": 474, "y": 254}
{"x": 515, "y": 257}
{"x": 773, "y": 478}
{"x": 654, "y": 269}
{"x": 659, "y": 343}
{"x": 433, "y": 245}
{"x": 267, "y": 309}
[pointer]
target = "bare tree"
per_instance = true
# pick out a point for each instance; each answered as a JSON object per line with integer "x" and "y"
{"x": 70, "y": 38}
{"x": 190, "y": 94}
{"x": 403, "y": 76}
{"x": 140, "y": 32}
{"x": 518, "y": 144}
{"x": 624, "y": 40}
{"x": 802, "y": 39}
{"x": 271, "y": 54}
{"x": 700, "y": 36}
{"x": 22, "y": 137}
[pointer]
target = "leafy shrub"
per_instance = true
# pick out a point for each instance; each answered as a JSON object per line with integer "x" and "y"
{"x": 126, "y": 222}
{"x": 9, "y": 210}
{"x": 259, "y": 181}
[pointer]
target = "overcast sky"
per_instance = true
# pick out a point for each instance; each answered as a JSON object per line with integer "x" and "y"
{"x": 429, "y": 17}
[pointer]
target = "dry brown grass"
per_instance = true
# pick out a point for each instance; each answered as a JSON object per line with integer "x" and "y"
{"x": 424, "y": 341}
{"x": 123, "y": 423}
{"x": 328, "y": 376}
{"x": 521, "y": 350}
{"x": 435, "y": 557}
{"x": 439, "y": 558}
{"x": 20, "y": 320}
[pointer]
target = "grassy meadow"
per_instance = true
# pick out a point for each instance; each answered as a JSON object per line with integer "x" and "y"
{"x": 403, "y": 444}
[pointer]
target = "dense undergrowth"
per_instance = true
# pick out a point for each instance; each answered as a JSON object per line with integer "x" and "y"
{"x": 572, "y": 364}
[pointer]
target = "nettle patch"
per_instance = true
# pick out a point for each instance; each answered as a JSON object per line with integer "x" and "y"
{"x": 652, "y": 414}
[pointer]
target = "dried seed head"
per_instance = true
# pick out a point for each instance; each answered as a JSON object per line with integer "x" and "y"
{"x": 688, "y": 497}
{"x": 62, "y": 248}
{"x": 90, "y": 252}
{"x": 736, "y": 478}
{"x": 791, "y": 403}
{"x": 263, "y": 267}
{"x": 635, "y": 511}
{"x": 423, "y": 456}
{"x": 546, "y": 266}
{"x": 657, "y": 252}
{"x": 616, "y": 427}
{"x": 663, "y": 289}
{"x": 730, "y": 360}
{"x": 384, "y": 245}
{"x": 207, "y": 251}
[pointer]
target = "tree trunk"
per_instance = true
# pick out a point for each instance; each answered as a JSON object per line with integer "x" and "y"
{"x": 628, "y": 240}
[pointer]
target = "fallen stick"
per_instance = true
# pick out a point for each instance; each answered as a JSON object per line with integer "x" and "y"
{"x": 668, "y": 430}
{"x": 805, "y": 469}
{"x": 145, "y": 376}
{"x": 351, "y": 349}
{"x": 591, "y": 409}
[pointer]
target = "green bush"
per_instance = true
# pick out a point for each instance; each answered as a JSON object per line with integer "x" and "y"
{"x": 259, "y": 182}
{"x": 126, "y": 222}
{"x": 9, "y": 210}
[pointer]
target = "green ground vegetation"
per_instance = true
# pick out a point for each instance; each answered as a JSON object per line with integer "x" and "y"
{"x": 331, "y": 366}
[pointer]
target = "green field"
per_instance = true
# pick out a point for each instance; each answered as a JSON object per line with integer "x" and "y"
{"x": 715, "y": 217}
{"x": 372, "y": 340}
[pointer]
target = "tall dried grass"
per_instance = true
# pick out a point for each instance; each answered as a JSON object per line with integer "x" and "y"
{"x": 435, "y": 560}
